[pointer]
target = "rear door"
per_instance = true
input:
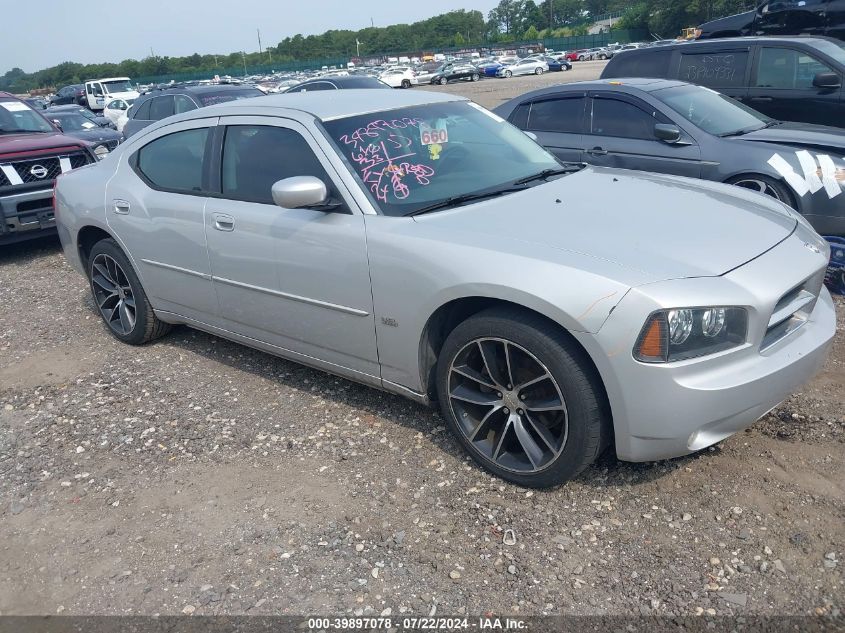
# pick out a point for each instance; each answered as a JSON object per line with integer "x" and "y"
{"x": 782, "y": 87}
{"x": 621, "y": 134}
{"x": 155, "y": 204}
{"x": 558, "y": 122}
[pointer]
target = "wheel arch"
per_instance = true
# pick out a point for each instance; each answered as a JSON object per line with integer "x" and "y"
{"x": 449, "y": 315}
{"x": 794, "y": 201}
{"x": 86, "y": 237}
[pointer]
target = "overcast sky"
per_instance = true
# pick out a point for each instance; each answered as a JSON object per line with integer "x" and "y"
{"x": 90, "y": 32}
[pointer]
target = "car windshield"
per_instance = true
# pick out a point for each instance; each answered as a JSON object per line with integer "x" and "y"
{"x": 16, "y": 117}
{"x": 210, "y": 98}
{"x": 836, "y": 50}
{"x": 119, "y": 85}
{"x": 73, "y": 121}
{"x": 87, "y": 114}
{"x": 711, "y": 111}
{"x": 415, "y": 157}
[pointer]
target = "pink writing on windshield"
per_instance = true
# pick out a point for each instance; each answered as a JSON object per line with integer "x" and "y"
{"x": 385, "y": 158}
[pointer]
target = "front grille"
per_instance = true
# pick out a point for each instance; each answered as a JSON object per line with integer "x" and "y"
{"x": 41, "y": 169}
{"x": 793, "y": 310}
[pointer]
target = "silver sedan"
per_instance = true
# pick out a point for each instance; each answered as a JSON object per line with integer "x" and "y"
{"x": 420, "y": 244}
{"x": 527, "y": 66}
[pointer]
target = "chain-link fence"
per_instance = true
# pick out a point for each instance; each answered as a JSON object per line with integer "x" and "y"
{"x": 623, "y": 36}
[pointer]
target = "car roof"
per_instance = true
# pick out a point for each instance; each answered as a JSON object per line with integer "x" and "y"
{"x": 328, "y": 104}
{"x": 625, "y": 85}
{"x": 748, "y": 39}
{"x": 341, "y": 80}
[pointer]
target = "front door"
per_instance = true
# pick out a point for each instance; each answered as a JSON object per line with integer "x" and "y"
{"x": 782, "y": 88}
{"x": 155, "y": 204}
{"x": 621, "y": 134}
{"x": 297, "y": 279}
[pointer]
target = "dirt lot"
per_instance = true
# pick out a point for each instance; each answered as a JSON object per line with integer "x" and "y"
{"x": 197, "y": 476}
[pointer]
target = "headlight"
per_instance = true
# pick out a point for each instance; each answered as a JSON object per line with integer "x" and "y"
{"x": 682, "y": 333}
{"x": 101, "y": 151}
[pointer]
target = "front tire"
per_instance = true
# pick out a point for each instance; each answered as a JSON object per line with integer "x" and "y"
{"x": 538, "y": 71}
{"x": 522, "y": 398}
{"x": 508, "y": 74}
{"x": 475, "y": 77}
{"x": 119, "y": 296}
{"x": 406, "y": 83}
{"x": 767, "y": 186}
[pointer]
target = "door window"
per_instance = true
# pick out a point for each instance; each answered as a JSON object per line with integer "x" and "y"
{"x": 161, "y": 108}
{"x": 256, "y": 156}
{"x": 787, "y": 69}
{"x": 143, "y": 111}
{"x": 183, "y": 104}
{"x": 612, "y": 117}
{"x": 174, "y": 162}
{"x": 557, "y": 115}
{"x": 723, "y": 69}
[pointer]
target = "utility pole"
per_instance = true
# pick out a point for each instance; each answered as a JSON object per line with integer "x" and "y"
{"x": 243, "y": 56}
{"x": 260, "y": 52}
{"x": 551, "y": 16}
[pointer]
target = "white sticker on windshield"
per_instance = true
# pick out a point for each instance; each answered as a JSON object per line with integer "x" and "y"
{"x": 492, "y": 115}
{"x": 14, "y": 106}
{"x": 88, "y": 125}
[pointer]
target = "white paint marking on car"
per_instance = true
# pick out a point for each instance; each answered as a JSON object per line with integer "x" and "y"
{"x": 810, "y": 181}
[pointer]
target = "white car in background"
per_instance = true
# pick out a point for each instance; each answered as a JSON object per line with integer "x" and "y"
{"x": 527, "y": 66}
{"x": 399, "y": 77}
{"x": 117, "y": 108}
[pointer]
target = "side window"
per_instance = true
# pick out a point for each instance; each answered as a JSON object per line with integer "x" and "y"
{"x": 715, "y": 70}
{"x": 183, "y": 104}
{"x": 557, "y": 115}
{"x": 519, "y": 116}
{"x": 636, "y": 64}
{"x": 612, "y": 117}
{"x": 174, "y": 162}
{"x": 256, "y": 156}
{"x": 787, "y": 69}
{"x": 319, "y": 85}
{"x": 161, "y": 108}
{"x": 142, "y": 113}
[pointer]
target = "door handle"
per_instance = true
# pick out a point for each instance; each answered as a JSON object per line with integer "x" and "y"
{"x": 762, "y": 99}
{"x": 597, "y": 151}
{"x": 121, "y": 207}
{"x": 223, "y": 222}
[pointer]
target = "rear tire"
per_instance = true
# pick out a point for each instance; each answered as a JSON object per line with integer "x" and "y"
{"x": 443, "y": 81}
{"x": 536, "y": 413}
{"x": 508, "y": 74}
{"x": 475, "y": 77}
{"x": 406, "y": 83}
{"x": 538, "y": 71}
{"x": 119, "y": 296}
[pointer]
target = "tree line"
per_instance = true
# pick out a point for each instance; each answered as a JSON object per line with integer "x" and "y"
{"x": 510, "y": 20}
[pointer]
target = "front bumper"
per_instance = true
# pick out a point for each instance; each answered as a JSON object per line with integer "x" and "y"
{"x": 669, "y": 410}
{"x": 26, "y": 215}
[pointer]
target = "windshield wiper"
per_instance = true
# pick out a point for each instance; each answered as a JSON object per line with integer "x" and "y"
{"x": 463, "y": 199}
{"x": 548, "y": 173}
{"x": 740, "y": 132}
{"x": 771, "y": 124}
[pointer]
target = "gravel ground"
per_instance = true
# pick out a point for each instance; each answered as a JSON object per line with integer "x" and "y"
{"x": 198, "y": 476}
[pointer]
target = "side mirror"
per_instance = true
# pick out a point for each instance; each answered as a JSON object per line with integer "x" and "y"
{"x": 531, "y": 135}
{"x": 827, "y": 81}
{"x": 57, "y": 124}
{"x": 300, "y": 192}
{"x": 667, "y": 133}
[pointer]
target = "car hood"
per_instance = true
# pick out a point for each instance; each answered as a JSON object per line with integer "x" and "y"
{"x": 662, "y": 227}
{"x": 20, "y": 143}
{"x": 800, "y": 135}
{"x": 740, "y": 22}
{"x": 132, "y": 94}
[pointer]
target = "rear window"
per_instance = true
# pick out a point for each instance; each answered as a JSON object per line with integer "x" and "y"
{"x": 639, "y": 64}
{"x": 557, "y": 115}
{"x": 715, "y": 70}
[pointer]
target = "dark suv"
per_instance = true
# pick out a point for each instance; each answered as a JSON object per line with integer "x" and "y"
{"x": 783, "y": 17}
{"x": 32, "y": 154}
{"x": 159, "y": 104}
{"x": 786, "y": 78}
